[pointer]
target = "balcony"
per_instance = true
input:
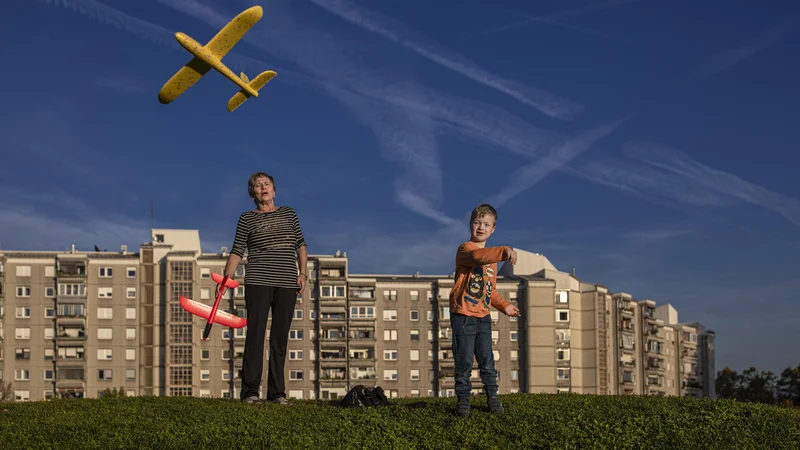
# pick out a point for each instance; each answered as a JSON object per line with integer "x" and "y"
{"x": 655, "y": 364}
{"x": 333, "y": 316}
{"x": 331, "y": 355}
{"x": 627, "y": 325}
{"x": 362, "y": 294}
{"x": 71, "y": 291}
{"x": 366, "y": 373}
{"x": 366, "y": 335}
{"x": 71, "y": 333}
{"x": 71, "y": 270}
{"x": 333, "y": 376}
{"x": 362, "y": 356}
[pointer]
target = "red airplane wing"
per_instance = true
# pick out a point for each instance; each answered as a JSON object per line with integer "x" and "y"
{"x": 204, "y": 311}
{"x": 230, "y": 284}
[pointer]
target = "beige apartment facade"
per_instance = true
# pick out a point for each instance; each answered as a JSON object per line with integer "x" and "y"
{"x": 74, "y": 324}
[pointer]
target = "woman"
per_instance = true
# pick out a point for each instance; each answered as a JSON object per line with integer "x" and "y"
{"x": 276, "y": 249}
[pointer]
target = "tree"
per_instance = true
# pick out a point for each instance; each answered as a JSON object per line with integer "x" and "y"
{"x": 788, "y": 386}
{"x": 727, "y": 384}
{"x": 6, "y": 392}
{"x": 758, "y": 386}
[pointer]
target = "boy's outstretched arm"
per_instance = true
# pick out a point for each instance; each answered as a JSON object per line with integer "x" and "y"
{"x": 480, "y": 256}
{"x": 504, "y": 305}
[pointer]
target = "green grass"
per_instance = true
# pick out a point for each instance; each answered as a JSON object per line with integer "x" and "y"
{"x": 530, "y": 421}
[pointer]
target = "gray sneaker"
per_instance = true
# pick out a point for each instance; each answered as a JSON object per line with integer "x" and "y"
{"x": 281, "y": 401}
{"x": 250, "y": 400}
{"x": 494, "y": 404}
{"x": 463, "y": 407}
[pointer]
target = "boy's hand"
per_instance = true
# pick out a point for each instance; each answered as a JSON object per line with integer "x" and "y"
{"x": 510, "y": 255}
{"x": 512, "y": 311}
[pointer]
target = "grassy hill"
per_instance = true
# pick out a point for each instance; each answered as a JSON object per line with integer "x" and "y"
{"x": 530, "y": 421}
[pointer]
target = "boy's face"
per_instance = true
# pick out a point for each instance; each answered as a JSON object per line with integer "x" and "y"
{"x": 482, "y": 227}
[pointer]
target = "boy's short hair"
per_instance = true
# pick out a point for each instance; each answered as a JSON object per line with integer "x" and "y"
{"x": 483, "y": 210}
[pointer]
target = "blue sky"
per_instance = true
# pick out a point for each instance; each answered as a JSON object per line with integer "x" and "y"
{"x": 650, "y": 146}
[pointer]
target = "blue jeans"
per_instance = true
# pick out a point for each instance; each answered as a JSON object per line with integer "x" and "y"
{"x": 472, "y": 337}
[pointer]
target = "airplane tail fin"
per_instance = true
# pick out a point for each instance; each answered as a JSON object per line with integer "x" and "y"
{"x": 257, "y": 83}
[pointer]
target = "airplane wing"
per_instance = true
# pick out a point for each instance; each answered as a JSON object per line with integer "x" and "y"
{"x": 228, "y": 36}
{"x": 204, "y": 311}
{"x": 230, "y": 284}
{"x": 183, "y": 80}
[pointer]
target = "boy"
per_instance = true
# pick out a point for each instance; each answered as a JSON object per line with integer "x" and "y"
{"x": 472, "y": 293}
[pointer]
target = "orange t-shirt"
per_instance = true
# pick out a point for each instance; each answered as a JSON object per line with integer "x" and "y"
{"x": 475, "y": 279}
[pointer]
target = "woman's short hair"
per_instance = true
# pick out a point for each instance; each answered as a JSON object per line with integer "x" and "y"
{"x": 252, "y": 182}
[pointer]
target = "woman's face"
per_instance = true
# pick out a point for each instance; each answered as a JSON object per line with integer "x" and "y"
{"x": 264, "y": 190}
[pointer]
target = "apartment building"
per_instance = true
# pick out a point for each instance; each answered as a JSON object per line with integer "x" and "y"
{"x": 78, "y": 323}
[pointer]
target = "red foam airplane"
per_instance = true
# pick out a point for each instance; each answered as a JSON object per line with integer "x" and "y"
{"x": 211, "y": 314}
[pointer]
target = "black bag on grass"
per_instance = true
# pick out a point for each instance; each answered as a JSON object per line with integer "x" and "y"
{"x": 361, "y": 396}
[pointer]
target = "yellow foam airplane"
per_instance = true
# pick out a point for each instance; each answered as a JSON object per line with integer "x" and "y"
{"x": 210, "y": 57}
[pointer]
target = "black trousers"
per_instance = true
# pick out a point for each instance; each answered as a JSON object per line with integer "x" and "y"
{"x": 259, "y": 301}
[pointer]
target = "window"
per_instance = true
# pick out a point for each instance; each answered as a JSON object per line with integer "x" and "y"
{"x": 414, "y": 375}
{"x": 512, "y": 296}
{"x": 562, "y": 296}
{"x": 130, "y": 354}
{"x": 205, "y": 272}
{"x": 205, "y": 375}
{"x": 22, "y": 375}
{"x": 105, "y": 313}
{"x": 296, "y": 375}
{"x": 130, "y": 333}
{"x": 513, "y": 354}
{"x": 430, "y": 316}
{"x": 414, "y": 335}
{"x": 130, "y": 374}
{"x": 413, "y": 315}
{"x": 390, "y": 375}
{"x": 50, "y": 271}
{"x": 298, "y": 314}
{"x": 295, "y": 355}
{"x": 495, "y": 315}
{"x": 49, "y": 333}
{"x": 104, "y": 334}
{"x": 562, "y": 354}
{"x": 362, "y": 312}
{"x": 205, "y": 293}
{"x": 445, "y": 313}
{"x": 413, "y": 355}
{"x": 390, "y": 355}
{"x": 104, "y": 374}
{"x": 513, "y": 335}
{"x": 105, "y": 292}
{"x": 562, "y": 373}
{"x": 22, "y": 333}
{"x": 23, "y": 291}
{"x": 48, "y": 374}
{"x": 49, "y": 313}
{"x": 71, "y": 290}
{"x": 23, "y": 271}
{"x": 389, "y": 335}
{"x": 49, "y": 292}
{"x": 130, "y": 313}
{"x": 295, "y": 335}
{"x": 105, "y": 272}
{"x": 205, "y": 354}
{"x": 414, "y": 295}
{"x": 390, "y": 295}
{"x": 562, "y": 315}
{"x": 131, "y": 272}
{"x": 514, "y": 374}
{"x": 23, "y": 312}
{"x": 389, "y": 315}
{"x": 130, "y": 292}
{"x": 104, "y": 354}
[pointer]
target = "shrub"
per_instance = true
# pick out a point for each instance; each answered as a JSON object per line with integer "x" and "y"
{"x": 530, "y": 421}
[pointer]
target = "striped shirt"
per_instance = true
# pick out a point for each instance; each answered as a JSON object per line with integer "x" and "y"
{"x": 271, "y": 240}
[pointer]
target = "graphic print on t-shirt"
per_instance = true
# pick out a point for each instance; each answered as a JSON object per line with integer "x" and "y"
{"x": 479, "y": 286}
